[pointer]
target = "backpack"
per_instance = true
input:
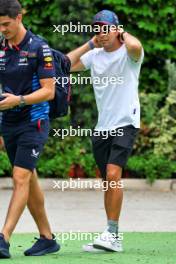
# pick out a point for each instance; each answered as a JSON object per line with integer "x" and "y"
{"x": 60, "y": 104}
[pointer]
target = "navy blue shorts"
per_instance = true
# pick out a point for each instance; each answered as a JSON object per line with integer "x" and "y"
{"x": 24, "y": 142}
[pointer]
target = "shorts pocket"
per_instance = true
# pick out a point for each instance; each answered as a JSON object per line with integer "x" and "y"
{"x": 128, "y": 138}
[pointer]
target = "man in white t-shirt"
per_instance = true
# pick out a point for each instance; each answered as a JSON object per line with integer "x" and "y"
{"x": 114, "y": 58}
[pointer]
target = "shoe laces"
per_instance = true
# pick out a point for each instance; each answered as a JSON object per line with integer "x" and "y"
{"x": 39, "y": 240}
{"x": 106, "y": 235}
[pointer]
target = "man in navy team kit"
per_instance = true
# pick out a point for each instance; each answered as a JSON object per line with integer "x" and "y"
{"x": 26, "y": 77}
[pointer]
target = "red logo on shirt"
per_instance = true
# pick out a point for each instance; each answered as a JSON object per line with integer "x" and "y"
{"x": 48, "y": 66}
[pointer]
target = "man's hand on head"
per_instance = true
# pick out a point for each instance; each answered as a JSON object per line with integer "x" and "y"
{"x": 121, "y": 31}
{"x": 96, "y": 42}
{"x": 133, "y": 45}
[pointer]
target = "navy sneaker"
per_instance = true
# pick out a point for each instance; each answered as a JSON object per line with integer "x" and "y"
{"x": 4, "y": 248}
{"x": 42, "y": 247}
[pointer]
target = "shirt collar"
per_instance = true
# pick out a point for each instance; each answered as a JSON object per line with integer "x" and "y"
{"x": 25, "y": 39}
{"x": 21, "y": 44}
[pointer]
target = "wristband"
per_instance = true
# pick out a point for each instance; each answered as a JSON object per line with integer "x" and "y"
{"x": 91, "y": 44}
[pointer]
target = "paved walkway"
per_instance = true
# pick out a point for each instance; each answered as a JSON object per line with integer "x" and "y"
{"x": 83, "y": 211}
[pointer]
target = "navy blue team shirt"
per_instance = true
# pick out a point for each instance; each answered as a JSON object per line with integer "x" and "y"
{"x": 21, "y": 68}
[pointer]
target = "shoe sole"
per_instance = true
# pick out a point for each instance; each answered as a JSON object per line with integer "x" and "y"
{"x": 46, "y": 251}
{"x": 89, "y": 248}
{"x": 102, "y": 247}
{"x": 3, "y": 254}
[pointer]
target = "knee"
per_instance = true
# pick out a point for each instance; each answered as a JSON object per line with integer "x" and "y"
{"x": 114, "y": 174}
{"x": 21, "y": 179}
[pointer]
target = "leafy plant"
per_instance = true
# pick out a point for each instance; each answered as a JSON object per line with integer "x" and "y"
{"x": 5, "y": 166}
{"x": 154, "y": 23}
{"x": 152, "y": 167}
{"x": 165, "y": 138}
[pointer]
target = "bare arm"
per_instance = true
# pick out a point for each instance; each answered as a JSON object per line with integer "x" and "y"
{"x": 74, "y": 56}
{"x": 77, "y": 66}
{"x": 133, "y": 45}
{"x": 45, "y": 93}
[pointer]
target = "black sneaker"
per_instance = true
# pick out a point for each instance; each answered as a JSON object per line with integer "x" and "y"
{"x": 42, "y": 247}
{"x": 4, "y": 248}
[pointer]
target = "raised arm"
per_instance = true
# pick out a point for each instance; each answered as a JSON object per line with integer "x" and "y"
{"x": 133, "y": 45}
{"x": 74, "y": 56}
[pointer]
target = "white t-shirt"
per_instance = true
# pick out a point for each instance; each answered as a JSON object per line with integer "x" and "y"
{"x": 115, "y": 82}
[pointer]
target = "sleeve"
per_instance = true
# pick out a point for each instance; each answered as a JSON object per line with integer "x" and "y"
{"x": 46, "y": 67}
{"x": 87, "y": 59}
{"x": 140, "y": 59}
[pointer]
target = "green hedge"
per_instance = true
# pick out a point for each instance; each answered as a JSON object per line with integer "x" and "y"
{"x": 154, "y": 23}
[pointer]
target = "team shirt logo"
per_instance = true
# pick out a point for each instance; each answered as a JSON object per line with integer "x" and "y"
{"x": 32, "y": 55}
{"x": 48, "y": 59}
{"x": 45, "y": 54}
{"x": 35, "y": 154}
{"x": 2, "y": 53}
{"x": 23, "y": 53}
{"x": 23, "y": 62}
{"x": 48, "y": 65}
{"x": 2, "y": 60}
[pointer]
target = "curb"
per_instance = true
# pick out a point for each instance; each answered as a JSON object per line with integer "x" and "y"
{"x": 96, "y": 184}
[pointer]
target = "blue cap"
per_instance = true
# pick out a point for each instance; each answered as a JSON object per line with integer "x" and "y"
{"x": 106, "y": 17}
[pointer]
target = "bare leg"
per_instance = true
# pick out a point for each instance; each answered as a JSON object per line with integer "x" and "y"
{"x": 21, "y": 179}
{"x": 36, "y": 207}
{"x": 113, "y": 196}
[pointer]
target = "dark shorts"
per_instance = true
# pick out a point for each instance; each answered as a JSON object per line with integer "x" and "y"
{"x": 24, "y": 142}
{"x": 112, "y": 148}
